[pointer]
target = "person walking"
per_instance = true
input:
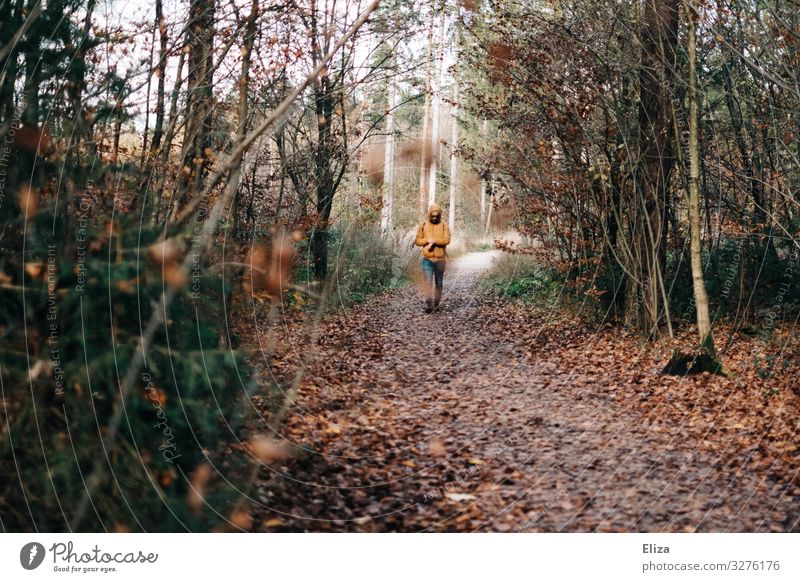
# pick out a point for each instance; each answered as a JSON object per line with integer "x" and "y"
{"x": 433, "y": 236}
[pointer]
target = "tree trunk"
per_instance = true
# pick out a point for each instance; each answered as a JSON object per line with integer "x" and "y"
{"x": 454, "y": 120}
{"x": 158, "y": 129}
{"x": 324, "y": 175}
{"x": 647, "y": 307}
{"x": 77, "y": 128}
{"x": 197, "y": 128}
{"x": 436, "y": 101}
{"x": 483, "y": 201}
{"x": 488, "y": 225}
{"x": 700, "y": 295}
{"x": 118, "y": 110}
{"x": 11, "y": 16}
{"x": 484, "y": 178}
{"x": 451, "y": 216}
{"x": 425, "y": 149}
{"x": 147, "y": 91}
{"x": 324, "y": 103}
{"x": 387, "y": 211}
{"x": 169, "y": 135}
{"x": 235, "y": 176}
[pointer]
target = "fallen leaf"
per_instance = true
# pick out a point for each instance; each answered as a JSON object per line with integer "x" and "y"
{"x": 267, "y": 449}
{"x": 460, "y": 497}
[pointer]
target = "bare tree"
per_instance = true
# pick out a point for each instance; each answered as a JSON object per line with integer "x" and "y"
{"x": 387, "y": 210}
{"x": 700, "y": 294}
{"x": 436, "y": 100}
{"x": 454, "y": 120}
{"x": 425, "y": 149}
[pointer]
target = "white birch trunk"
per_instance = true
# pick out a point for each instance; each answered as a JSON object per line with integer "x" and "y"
{"x": 453, "y": 168}
{"x": 483, "y": 201}
{"x": 436, "y": 107}
{"x": 454, "y": 120}
{"x": 387, "y": 211}
{"x": 425, "y": 150}
{"x": 484, "y": 183}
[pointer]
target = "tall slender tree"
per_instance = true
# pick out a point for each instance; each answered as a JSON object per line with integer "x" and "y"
{"x": 454, "y": 121}
{"x": 436, "y": 107}
{"x": 197, "y": 151}
{"x": 698, "y": 281}
{"x": 647, "y": 307}
{"x": 425, "y": 137}
{"x": 387, "y": 210}
{"x": 160, "y": 72}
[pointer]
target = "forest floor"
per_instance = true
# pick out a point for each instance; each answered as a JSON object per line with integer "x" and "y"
{"x": 492, "y": 415}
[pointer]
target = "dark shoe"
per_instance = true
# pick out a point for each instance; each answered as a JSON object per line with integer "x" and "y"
{"x": 429, "y": 309}
{"x": 437, "y": 298}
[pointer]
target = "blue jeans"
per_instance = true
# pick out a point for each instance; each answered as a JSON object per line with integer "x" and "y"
{"x": 434, "y": 279}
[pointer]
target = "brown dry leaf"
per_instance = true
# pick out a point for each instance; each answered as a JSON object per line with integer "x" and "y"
{"x": 241, "y": 519}
{"x": 35, "y": 270}
{"x": 280, "y": 267}
{"x": 28, "y": 201}
{"x": 267, "y": 449}
{"x": 32, "y": 138}
{"x": 167, "y": 478}
{"x": 160, "y": 396}
{"x": 460, "y": 497}
{"x": 437, "y": 448}
{"x": 256, "y": 271}
{"x": 163, "y": 252}
{"x": 174, "y": 275}
{"x": 500, "y": 54}
{"x": 464, "y": 517}
{"x": 604, "y": 399}
{"x": 128, "y": 286}
{"x": 199, "y": 481}
{"x": 373, "y": 163}
{"x": 274, "y": 522}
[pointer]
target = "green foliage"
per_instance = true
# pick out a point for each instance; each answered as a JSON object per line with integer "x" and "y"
{"x": 770, "y": 280}
{"x": 75, "y": 325}
{"x": 362, "y": 264}
{"x": 477, "y": 244}
{"x": 769, "y": 365}
{"x": 521, "y": 277}
{"x": 527, "y": 285}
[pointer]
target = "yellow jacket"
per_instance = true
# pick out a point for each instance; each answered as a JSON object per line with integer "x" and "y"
{"x": 439, "y": 233}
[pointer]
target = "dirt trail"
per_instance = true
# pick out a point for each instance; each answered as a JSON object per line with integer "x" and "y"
{"x": 455, "y": 422}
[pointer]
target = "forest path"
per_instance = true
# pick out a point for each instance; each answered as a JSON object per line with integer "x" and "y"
{"x": 458, "y": 421}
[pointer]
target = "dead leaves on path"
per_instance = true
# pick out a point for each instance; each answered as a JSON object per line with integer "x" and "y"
{"x": 493, "y": 417}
